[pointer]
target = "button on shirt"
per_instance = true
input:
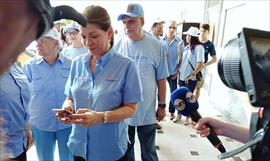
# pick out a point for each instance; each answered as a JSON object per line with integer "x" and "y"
{"x": 47, "y": 84}
{"x": 114, "y": 83}
{"x": 14, "y": 99}
{"x": 149, "y": 55}
{"x": 196, "y": 57}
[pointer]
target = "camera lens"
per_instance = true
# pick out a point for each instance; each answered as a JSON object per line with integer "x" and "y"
{"x": 229, "y": 66}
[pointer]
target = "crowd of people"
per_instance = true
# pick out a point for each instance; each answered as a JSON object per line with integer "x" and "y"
{"x": 108, "y": 90}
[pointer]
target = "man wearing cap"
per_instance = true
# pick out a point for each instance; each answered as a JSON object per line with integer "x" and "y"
{"x": 76, "y": 48}
{"x": 173, "y": 47}
{"x": 157, "y": 28}
{"x": 47, "y": 75}
{"x": 149, "y": 55}
{"x": 192, "y": 61}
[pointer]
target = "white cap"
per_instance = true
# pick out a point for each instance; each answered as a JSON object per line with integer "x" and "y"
{"x": 53, "y": 33}
{"x": 192, "y": 31}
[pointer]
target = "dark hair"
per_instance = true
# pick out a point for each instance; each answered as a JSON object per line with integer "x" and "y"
{"x": 205, "y": 26}
{"x": 194, "y": 41}
{"x": 99, "y": 16}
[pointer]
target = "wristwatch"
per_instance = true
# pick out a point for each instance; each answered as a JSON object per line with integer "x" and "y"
{"x": 162, "y": 105}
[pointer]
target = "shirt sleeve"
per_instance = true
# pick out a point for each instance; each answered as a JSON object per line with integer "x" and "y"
{"x": 161, "y": 67}
{"x": 200, "y": 53}
{"x": 70, "y": 79}
{"x": 132, "y": 89}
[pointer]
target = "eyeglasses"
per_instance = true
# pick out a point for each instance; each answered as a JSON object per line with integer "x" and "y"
{"x": 171, "y": 27}
{"x": 72, "y": 33}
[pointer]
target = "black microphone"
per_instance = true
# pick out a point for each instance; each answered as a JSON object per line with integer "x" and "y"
{"x": 185, "y": 102}
{"x": 67, "y": 12}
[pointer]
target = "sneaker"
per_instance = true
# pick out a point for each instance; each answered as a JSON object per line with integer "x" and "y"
{"x": 172, "y": 116}
{"x": 178, "y": 118}
{"x": 186, "y": 122}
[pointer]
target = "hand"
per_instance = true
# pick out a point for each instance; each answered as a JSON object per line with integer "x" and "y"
{"x": 190, "y": 77}
{"x": 30, "y": 140}
{"x": 86, "y": 117}
{"x": 68, "y": 106}
{"x": 175, "y": 75}
{"x": 161, "y": 113}
{"x": 203, "y": 130}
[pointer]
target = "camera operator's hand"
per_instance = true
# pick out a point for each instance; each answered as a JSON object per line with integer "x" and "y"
{"x": 204, "y": 131}
{"x": 221, "y": 128}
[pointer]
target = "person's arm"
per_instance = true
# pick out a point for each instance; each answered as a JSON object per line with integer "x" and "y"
{"x": 212, "y": 61}
{"x": 161, "y": 112}
{"x": 87, "y": 117}
{"x": 222, "y": 128}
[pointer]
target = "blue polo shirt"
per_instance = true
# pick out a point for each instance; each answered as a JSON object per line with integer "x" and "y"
{"x": 72, "y": 52}
{"x": 14, "y": 99}
{"x": 114, "y": 83}
{"x": 47, "y": 84}
{"x": 171, "y": 50}
{"x": 149, "y": 55}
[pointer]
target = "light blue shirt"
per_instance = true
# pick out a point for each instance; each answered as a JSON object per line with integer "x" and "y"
{"x": 72, "y": 52}
{"x": 115, "y": 82}
{"x": 149, "y": 55}
{"x": 14, "y": 99}
{"x": 196, "y": 57}
{"x": 47, "y": 84}
{"x": 171, "y": 50}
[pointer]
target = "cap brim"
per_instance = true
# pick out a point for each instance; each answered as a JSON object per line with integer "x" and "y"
{"x": 186, "y": 33}
{"x": 122, "y": 16}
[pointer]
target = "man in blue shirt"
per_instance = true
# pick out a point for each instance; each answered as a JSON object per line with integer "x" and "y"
{"x": 150, "y": 58}
{"x": 173, "y": 47}
{"x": 47, "y": 75}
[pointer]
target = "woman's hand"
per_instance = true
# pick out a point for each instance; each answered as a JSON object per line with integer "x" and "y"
{"x": 86, "y": 117}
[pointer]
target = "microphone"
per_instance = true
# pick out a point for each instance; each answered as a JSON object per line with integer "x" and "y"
{"x": 185, "y": 102}
{"x": 67, "y": 12}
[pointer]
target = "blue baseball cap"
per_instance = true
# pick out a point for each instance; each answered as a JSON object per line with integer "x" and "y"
{"x": 133, "y": 10}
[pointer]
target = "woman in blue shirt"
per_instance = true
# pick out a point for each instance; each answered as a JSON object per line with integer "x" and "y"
{"x": 103, "y": 88}
{"x": 47, "y": 75}
{"x": 14, "y": 99}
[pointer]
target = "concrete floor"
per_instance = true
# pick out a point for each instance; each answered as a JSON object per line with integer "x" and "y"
{"x": 177, "y": 142}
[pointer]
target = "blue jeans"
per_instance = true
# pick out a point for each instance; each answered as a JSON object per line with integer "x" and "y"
{"x": 147, "y": 139}
{"x": 190, "y": 85}
{"x": 173, "y": 86}
{"x": 45, "y": 144}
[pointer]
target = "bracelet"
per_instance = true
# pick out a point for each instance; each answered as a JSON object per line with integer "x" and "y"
{"x": 105, "y": 117}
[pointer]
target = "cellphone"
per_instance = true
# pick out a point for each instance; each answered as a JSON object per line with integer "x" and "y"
{"x": 57, "y": 110}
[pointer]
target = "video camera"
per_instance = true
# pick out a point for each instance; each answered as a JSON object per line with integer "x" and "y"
{"x": 245, "y": 65}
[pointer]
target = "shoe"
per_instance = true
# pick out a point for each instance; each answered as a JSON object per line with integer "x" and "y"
{"x": 186, "y": 122}
{"x": 158, "y": 127}
{"x": 172, "y": 116}
{"x": 178, "y": 118}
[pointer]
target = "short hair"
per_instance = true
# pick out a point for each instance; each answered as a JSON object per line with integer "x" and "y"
{"x": 205, "y": 26}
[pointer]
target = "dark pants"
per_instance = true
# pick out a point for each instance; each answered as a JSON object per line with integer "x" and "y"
{"x": 173, "y": 86}
{"x": 21, "y": 157}
{"x": 146, "y": 136}
{"x": 190, "y": 85}
{"x": 124, "y": 158}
